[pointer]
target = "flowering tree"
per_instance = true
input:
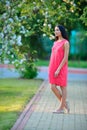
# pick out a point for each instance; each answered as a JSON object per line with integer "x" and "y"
{"x": 13, "y": 29}
{"x": 23, "y": 21}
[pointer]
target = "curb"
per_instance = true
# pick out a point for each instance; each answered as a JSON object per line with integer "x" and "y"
{"x": 77, "y": 70}
{"x": 25, "y": 115}
{"x": 6, "y": 66}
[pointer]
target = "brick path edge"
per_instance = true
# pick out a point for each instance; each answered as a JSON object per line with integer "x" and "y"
{"x": 25, "y": 115}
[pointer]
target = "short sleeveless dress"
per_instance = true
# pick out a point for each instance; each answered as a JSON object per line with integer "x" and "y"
{"x": 57, "y": 55}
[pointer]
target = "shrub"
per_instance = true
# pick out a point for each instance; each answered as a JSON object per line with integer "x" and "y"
{"x": 28, "y": 71}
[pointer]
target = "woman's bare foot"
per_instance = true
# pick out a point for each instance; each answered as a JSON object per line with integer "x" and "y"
{"x": 59, "y": 111}
{"x": 67, "y": 106}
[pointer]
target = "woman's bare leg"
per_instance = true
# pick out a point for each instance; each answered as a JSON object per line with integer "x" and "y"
{"x": 56, "y": 91}
{"x": 64, "y": 96}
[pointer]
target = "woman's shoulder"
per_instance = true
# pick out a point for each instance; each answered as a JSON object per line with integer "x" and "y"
{"x": 54, "y": 42}
{"x": 66, "y": 41}
{"x": 62, "y": 41}
{"x": 66, "y": 44}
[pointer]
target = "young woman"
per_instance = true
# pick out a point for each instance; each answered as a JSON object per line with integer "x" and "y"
{"x": 58, "y": 68}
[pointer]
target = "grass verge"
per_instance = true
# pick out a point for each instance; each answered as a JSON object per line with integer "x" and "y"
{"x": 76, "y": 64}
{"x": 14, "y": 95}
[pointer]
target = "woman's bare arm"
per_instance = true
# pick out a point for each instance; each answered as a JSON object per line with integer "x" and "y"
{"x": 65, "y": 58}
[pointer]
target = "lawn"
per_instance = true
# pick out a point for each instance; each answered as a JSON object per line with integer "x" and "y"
{"x": 76, "y": 64}
{"x": 14, "y": 95}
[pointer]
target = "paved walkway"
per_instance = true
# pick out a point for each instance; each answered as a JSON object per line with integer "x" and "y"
{"x": 38, "y": 113}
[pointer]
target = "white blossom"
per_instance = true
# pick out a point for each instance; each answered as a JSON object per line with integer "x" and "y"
{"x": 0, "y": 51}
{"x": 38, "y": 20}
{"x": 1, "y": 35}
{"x": 44, "y": 35}
{"x": 71, "y": 3}
{"x": 8, "y": 28}
{"x": 42, "y": 0}
{"x": 45, "y": 19}
{"x": 19, "y": 40}
{"x": 5, "y": 31}
{"x": 44, "y": 24}
{"x": 22, "y": 69}
{"x": 8, "y": 3}
{"x": 46, "y": 8}
{"x": 49, "y": 25}
{"x": 16, "y": 65}
{"x": 34, "y": 3}
{"x": 22, "y": 27}
{"x": 5, "y": 49}
{"x": 23, "y": 32}
{"x": 3, "y": 46}
{"x": 4, "y": 15}
{"x": 11, "y": 20}
{"x": 21, "y": 61}
{"x": 23, "y": 17}
{"x": 6, "y": 61}
{"x": 19, "y": 5}
{"x": 14, "y": 37}
{"x": 54, "y": 3}
{"x": 46, "y": 13}
{"x": 12, "y": 56}
{"x": 52, "y": 37}
{"x": 12, "y": 62}
{"x": 24, "y": 0}
{"x": 8, "y": 52}
{"x": 12, "y": 42}
{"x": 27, "y": 31}
{"x": 16, "y": 18}
{"x": 16, "y": 61}
{"x": 72, "y": 10}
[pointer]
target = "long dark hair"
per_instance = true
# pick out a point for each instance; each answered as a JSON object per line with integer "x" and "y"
{"x": 63, "y": 32}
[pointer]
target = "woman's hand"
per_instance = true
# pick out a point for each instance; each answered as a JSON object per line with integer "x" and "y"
{"x": 56, "y": 72}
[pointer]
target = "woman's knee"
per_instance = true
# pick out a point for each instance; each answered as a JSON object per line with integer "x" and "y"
{"x": 53, "y": 86}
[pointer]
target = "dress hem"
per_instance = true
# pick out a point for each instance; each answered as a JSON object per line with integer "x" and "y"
{"x": 59, "y": 84}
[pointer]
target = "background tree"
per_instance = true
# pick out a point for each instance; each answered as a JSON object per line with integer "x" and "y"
{"x": 23, "y": 25}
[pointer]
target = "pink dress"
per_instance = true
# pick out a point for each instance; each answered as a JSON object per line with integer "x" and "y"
{"x": 55, "y": 60}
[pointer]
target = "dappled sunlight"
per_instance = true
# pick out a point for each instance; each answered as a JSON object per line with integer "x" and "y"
{"x": 14, "y": 95}
{"x": 14, "y": 107}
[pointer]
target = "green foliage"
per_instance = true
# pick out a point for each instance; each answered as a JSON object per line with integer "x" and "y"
{"x": 78, "y": 47}
{"x": 84, "y": 16}
{"x": 23, "y": 23}
{"x": 29, "y": 71}
{"x": 82, "y": 45}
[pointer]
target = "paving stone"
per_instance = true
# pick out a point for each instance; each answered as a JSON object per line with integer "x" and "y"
{"x": 43, "y": 118}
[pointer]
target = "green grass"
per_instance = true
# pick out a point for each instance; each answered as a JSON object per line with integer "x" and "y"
{"x": 76, "y": 64}
{"x": 42, "y": 63}
{"x": 14, "y": 95}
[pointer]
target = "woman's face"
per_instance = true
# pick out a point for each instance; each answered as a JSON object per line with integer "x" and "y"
{"x": 57, "y": 32}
